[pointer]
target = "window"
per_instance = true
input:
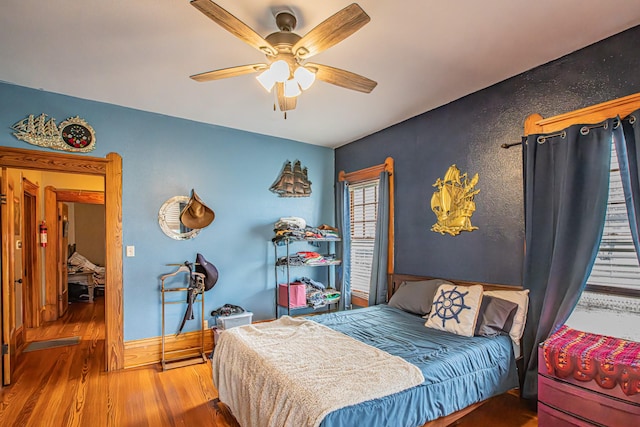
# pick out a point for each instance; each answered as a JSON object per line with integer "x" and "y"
{"x": 610, "y": 304}
{"x": 616, "y": 269}
{"x": 363, "y": 192}
{"x": 363, "y": 210}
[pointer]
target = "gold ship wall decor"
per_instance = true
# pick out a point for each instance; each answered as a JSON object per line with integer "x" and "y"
{"x": 293, "y": 182}
{"x": 453, "y": 203}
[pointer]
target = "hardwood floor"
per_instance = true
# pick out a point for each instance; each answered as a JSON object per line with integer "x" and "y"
{"x": 67, "y": 386}
{"x": 506, "y": 410}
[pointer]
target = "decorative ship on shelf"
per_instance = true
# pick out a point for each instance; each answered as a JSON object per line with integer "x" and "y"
{"x": 73, "y": 134}
{"x": 293, "y": 182}
{"x": 453, "y": 203}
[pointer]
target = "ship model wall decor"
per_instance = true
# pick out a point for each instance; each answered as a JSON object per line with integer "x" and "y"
{"x": 453, "y": 202}
{"x": 292, "y": 182}
{"x": 73, "y": 134}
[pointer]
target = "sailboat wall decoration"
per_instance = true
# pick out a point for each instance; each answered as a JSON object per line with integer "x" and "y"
{"x": 292, "y": 182}
{"x": 453, "y": 203}
{"x": 73, "y": 134}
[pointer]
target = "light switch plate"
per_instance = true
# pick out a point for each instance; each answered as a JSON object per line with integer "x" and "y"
{"x": 131, "y": 251}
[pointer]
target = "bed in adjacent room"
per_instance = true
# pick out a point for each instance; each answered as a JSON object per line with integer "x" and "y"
{"x": 385, "y": 365}
{"x": 83, "y": 274}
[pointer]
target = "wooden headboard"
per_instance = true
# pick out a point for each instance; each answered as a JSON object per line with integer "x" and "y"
{"x": 395, "y": 280}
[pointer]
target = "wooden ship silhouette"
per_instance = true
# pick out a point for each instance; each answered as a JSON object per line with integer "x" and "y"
{"x": 293, "y": 182}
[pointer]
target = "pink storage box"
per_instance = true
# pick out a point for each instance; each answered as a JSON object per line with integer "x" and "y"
{"x": 297, "y": 295}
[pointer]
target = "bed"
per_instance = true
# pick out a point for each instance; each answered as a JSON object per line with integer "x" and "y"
{"x": 441, "y": 375}
{"x": 84, "y": 273}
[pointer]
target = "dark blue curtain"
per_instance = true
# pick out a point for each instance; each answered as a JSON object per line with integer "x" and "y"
{"x": 566, "y": 179}
{"x": 629, "y": 161}
{"x": 343, "y": 223}
{"x": 379, "y": 269}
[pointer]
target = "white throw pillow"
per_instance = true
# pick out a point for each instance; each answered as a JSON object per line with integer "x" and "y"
{"x": 522, "y": 299}
{"x": 455, "y": 309}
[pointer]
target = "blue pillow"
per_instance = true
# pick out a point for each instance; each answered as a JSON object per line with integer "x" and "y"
{"x": 495, "y": 317}
{"x": 416, "y": 297}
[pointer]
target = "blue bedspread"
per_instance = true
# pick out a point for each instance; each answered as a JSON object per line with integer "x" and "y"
{"x": 458, "y": 371}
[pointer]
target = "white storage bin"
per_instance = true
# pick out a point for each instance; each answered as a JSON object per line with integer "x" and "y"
{"x": 226, "y": 322}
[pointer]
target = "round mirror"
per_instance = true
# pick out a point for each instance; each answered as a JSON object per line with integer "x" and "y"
{"x": 169, "y": 219}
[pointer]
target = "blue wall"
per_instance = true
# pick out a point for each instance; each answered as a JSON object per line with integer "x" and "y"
{"x": 468, "y": 132}
{"x": 163, "y": 157}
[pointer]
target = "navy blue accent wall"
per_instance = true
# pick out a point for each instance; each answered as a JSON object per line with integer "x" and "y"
{"x": 468, "y": 132}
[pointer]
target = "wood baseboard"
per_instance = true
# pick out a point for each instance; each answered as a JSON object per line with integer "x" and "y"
{"x": 148, "y": 351}
{"x": 49, "y": 312}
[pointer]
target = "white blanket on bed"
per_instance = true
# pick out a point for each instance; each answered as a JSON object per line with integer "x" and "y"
{"x": 293, "y": 372}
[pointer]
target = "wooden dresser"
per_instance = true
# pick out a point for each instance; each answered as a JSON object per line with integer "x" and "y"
{"x": 569, "y": 402}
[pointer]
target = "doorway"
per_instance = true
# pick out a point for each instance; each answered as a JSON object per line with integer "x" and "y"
{"x": 56, "y": 292}
{"x": 110, "y": 168}
{"x": 86, "y": 248}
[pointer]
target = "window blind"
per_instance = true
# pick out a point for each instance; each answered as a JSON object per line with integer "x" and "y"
{"x": 363, "y": 212}
{"x": 172, "y": 217}
{"x": 616, "y": 264}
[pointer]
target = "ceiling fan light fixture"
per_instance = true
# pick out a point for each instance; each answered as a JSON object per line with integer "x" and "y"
{"x": 291, "y": 88}
{"x": 266, "y": 79}
{"x": 286, "y": 52}
{"x": 304, "y": 77}
{"x": 280, "y": 70}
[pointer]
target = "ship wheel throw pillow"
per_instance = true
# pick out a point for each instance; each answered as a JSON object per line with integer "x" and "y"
{"x": 455, "y": 309}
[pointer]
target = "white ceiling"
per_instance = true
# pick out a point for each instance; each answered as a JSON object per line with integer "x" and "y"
{"x": 422, "y": 53}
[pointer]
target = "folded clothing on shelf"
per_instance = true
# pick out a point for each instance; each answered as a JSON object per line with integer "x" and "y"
{"x": 296, "y": 228}
{"x": 307, "y": 258}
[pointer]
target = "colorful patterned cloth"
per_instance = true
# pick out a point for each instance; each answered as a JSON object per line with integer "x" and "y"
{"x": 585, "y": 356}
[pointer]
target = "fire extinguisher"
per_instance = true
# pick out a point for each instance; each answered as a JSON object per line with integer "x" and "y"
{"x": 43, "y": 234}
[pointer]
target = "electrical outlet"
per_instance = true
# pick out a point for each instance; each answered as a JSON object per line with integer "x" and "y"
{"x": 131, "y": 251}
{"x": 205, "y": 323}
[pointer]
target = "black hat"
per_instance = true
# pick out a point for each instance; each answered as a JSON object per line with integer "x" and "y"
{"x": 209, "y": 270}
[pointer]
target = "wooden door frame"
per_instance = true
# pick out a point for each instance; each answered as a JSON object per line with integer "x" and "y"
{"x": 8, "y": 276}
{"x": 31, "y": 300}
{"x": 53, "y": 196}
{"x": 110, "y": 168}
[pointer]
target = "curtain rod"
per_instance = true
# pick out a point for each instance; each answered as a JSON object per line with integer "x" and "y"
{"x": 505, "y": 145}
{"x": 583, "y": 130}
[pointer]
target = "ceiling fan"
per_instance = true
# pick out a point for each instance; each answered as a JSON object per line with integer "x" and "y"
{"x": 286, "y": 53}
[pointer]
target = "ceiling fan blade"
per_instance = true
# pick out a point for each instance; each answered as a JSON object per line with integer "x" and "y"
{"x": 235, "y": 26}
{"x": 331, "y": 31}
{"x": 342, "y": 78}
{"x": 285, "y": 103}
{"x": 228, "y": 72}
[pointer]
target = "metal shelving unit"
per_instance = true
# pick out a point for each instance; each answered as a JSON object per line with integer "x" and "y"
{"x": 286, "y": 273}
